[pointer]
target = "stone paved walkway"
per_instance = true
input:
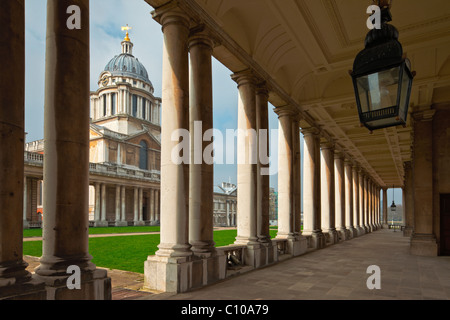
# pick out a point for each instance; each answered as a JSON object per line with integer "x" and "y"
{"x": 337, "y": 272}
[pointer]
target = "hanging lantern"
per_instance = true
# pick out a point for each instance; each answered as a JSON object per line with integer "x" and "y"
{"x": 382, "y": 76}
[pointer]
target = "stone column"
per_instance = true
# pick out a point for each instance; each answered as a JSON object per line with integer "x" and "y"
{"x": 140, "y": 210}
{"x": 26, "y": 197}
{"x": 409, "y": 200}
{"x": 66, "y": 161}
{"x": 311, "y": 188}
{"x": 136, "y": 206}
{"x": 152, "y": 206}
{"x": 339, "y": 195}
{"x": 102, "y": 217}
{"x": 349, "y": 198}
{"x": 14, "y": 278}
{"x": 118, "y": 205}
{"x": 356, "y": 200}
{"x": 169, "y": 270}
{"x": 361, "y": 228}
{"x": 262, "y": 125}
{"x": 268, "y": 251}
{"x": 247, "y": 167}
{"x": 201, "y": 170}
{"x": 157, "y": 206}
{"x": 123, "y": 207}
{"x": 369, "y": 204}
{"x": 327, "y": 195}
{"x": 97, "y": 203}
{"x": 385, "y": 209}
{"x": 286, "y": 177}
{"x": 366, "y": 204}
{"x": 423, "y": 241}
{"x": 297, "y": 177}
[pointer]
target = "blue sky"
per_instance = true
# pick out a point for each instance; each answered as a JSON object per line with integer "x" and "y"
{"x": 106, "y": 19}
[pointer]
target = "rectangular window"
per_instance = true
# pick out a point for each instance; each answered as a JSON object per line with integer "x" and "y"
{"x": 104, "y": 105}
{"x": 134, "y": 114}
{"x": 113, "y": 104}
{"x": 144, "y": 104}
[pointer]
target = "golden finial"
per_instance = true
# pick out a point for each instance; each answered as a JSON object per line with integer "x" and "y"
{"x": 127, "y": 28}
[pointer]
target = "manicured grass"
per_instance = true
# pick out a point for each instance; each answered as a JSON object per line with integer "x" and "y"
{"x": 27, "y": 233}
{"x": 128, "y": 252}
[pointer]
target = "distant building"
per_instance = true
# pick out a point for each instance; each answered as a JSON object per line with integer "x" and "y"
{"x": 225, "y": 205}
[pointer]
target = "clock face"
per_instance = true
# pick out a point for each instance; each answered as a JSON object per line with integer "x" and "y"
{"x": 105, "y": 81}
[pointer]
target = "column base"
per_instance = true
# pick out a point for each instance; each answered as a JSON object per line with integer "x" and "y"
{"x": 26, "y": 224}
{"x": 95, "y": 285}
{"x": 424, "y": 245}
{"x": 408, "y": 232}
{"x": 177, "y": 274}
{"x": 99, "y": 223}
{"x": 368, "y": 229}
{"x": 121, "y": 224}
{"x": 269, "y": 253}
{"x": 139, "y": 223}
{"x": 353, "y": 232}
{"x": 342, "y": 234}
{"x": 331, "y": 236}
{"x": 317, "y": 239}
{"x": 385, "y": 226}
{"x": 360, "y": 230}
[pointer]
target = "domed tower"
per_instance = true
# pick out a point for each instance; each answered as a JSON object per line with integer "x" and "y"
{"x": 125, "y": 115}
{"x": 124, "y": 102}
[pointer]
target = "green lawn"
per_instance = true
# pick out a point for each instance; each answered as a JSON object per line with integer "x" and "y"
{"x": 128, "y": 252}
{"x": 27, "y": 233}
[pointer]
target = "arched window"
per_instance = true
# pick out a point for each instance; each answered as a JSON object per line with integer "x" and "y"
{"x": 143, "y": 155}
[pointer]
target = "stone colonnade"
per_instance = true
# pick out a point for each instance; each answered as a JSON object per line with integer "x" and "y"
{"x": 120, "y": 218}
{"x": 186, "y": 257}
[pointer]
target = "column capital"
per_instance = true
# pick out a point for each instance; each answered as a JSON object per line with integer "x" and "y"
{"x": 171, "y": 13}
{"x": 200, "y": 36}
{"x": 245, "y": 77}
{"x": 263, "y": 88}
{"x": 285, "y": 111}
{"x": 310, "y": 131}
{"x": 326, "y": 145}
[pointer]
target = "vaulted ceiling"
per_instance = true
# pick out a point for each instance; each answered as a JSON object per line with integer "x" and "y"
{"x": 304, "y": 50}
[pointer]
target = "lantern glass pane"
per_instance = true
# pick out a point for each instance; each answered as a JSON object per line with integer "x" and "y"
{"x": 378, "y": 90}
{"x": 405, "y": 86}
